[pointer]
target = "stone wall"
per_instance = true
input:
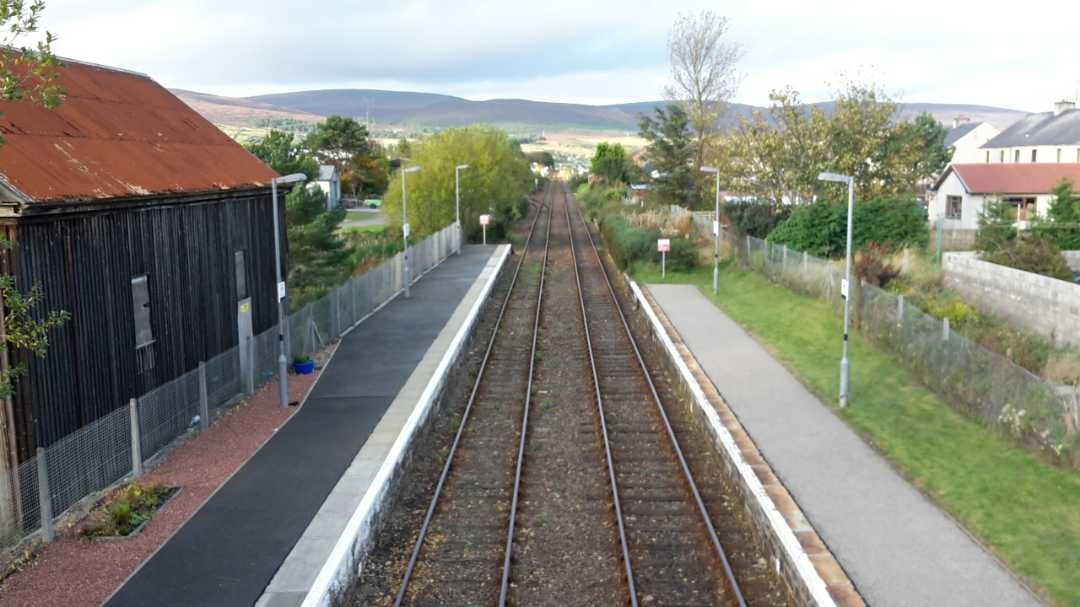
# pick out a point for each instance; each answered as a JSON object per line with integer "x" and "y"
{"x": 1044, "y": 305}
{"x": 1073, "y": 257}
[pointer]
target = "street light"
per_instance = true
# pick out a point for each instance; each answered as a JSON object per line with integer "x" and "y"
{"x": 283, "y": 364}
{"x": 716, "y": 230}
{"x": 457, "y": 202}
{"x": 844, "y": 365}
{"x": 405, "y": 220}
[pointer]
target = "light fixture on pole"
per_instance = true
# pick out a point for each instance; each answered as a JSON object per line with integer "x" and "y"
{"x": 457, "y": 203}
{"x": 716, "y": 231}
{"x": 283, "y": 363}
{"x": 405, "y": 221}
{"x": 845, "y": 288}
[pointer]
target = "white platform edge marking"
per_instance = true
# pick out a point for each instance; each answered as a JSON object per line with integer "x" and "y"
{"x": 817, "y": 587}
{"x": 335, "y": 568}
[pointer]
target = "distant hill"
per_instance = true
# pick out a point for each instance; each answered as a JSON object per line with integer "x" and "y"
{"x": 420, "y": 110}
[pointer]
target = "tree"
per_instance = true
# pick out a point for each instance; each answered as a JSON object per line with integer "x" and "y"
{"x": 286, "y": 156}
{"x": 318, "y": 258}
{"x": 367, "y": 174}
{"x": 609, "y": 163}
{"x": 671, "y": 149}
{"x": 703, "y": 72}
{"x": 27, "y": 74}
{"x": 1064, "y": 217}
{"x": 496, "y": 182}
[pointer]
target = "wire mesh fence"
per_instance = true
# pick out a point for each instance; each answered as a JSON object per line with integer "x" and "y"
{"x": 979, "y": 382}
{"x": 105, "y": 451}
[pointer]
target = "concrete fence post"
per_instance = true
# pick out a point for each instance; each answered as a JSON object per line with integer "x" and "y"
{"x": 805, "y": 262}
{"x": 136, "y": 439}
{"x": 204, "y": 398}
{"x": 783, "y": 262}
{"x": 900, "y": 311}
{"x": 335, "y": 313}
{"x": 249, "y": 379}
{"x": 748, "y": 247}
{"x": 44, "y": 496}
{"x": 945, "y": 329}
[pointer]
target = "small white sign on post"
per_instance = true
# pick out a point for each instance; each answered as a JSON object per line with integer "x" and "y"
{"x": 716, "y": 228}
{"x": 663, "y": 245}
{"x": 280, "y": 291}
{"x": 484, "y": 221}
{"x": 405, "y": 230}
{"x": 843, "y": 288}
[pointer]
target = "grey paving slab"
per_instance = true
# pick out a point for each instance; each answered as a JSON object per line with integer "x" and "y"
{"x": 228, "y": 552}
{"x": 896, "y": 545}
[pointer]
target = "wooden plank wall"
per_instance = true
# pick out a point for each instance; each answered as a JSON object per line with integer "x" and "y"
{"x": 85, "y": 262}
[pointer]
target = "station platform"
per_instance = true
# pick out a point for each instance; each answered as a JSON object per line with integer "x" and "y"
{"x": 267, "y": 533}
{"x": 897, "y": 547}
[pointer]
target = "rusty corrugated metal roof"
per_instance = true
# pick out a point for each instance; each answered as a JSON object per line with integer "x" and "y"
{"x": 118, "y": 134}
{"x": 1020, "y": 178}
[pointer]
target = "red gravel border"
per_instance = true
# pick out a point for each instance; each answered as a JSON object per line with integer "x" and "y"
{"x": 73, "y": 571}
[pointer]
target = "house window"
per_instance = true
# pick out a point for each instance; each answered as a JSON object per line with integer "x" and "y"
{"x": 1033, "y": 152}
{"x": 954, "y": 207}
{"x": 1059, "y": 155}
{"x": 1002, "y": 156}
{"x": 1016, "y": 156}
{"x": 241, "y": 276}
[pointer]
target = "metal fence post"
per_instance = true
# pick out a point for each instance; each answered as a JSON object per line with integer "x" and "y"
{"x": 900, "y": 311}
{"x": 249, "y": 381}
{"x": 44, "y": 496}
{"x": 136, "y": 439}
{"x": 335, "y": 313}
{"x": 945, "y": 329}
{"x": 204, "y": 398}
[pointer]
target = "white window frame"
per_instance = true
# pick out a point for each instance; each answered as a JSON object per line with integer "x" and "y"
{"x": 949, "y": 200}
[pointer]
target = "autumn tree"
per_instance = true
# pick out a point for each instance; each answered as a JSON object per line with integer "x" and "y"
{"x": 703, "y": 74}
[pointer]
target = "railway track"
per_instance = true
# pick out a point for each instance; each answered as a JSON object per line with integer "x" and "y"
{"x": 459, "y": 551}
{"x": 671, "y": 552}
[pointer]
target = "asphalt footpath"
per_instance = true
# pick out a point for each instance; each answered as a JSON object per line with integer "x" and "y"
{"x": 895, "y": 544}
{"x": 229, "y": 551}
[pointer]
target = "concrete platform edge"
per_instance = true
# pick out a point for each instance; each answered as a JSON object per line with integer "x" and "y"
{"x": 346, "y": 555}
{"x": 796, "y": 556}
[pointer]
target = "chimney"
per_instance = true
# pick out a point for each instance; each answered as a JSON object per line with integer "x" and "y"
{"x": 959, "y": 119}
{"x": 1063, "y": 106}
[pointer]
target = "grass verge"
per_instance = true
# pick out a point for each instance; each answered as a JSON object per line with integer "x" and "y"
{"x": 1025, "y": 510}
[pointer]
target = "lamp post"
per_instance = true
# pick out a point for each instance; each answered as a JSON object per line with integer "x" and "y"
{"x": 457, "y": 203}
{"x": 283, "y": 363}
{"x": 405, "y": 220}
{"x": 844, "y": 365}
{"x": 716, "y": 231}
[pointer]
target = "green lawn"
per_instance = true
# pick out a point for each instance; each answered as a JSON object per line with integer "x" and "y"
{"x": 369, "y": 229}
{"x": 1025, "y": 510}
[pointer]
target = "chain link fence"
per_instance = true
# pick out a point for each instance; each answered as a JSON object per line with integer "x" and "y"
{"x": 980, "y": 383}
{"x": 105, "y": 451}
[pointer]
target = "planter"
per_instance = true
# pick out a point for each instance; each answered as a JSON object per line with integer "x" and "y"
{"x": 173, "y": 492}
{"x": 305, "y": 368}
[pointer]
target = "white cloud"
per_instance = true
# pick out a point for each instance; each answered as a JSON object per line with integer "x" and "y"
{"x": 569, "y": 50}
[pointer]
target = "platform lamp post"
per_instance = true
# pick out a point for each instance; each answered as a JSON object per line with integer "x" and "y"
{"x": 405, "y": 220}
{"x": 844, "y": 365}
{"x": 283, "y": 363}
{"x": 716, "y": 232}
{"x": 457, "y": 203}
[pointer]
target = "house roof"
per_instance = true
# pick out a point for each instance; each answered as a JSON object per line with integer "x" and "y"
{"x": 1038, "y": 178}
{"x": 957, "y": 133}
{"x": 117, "y": 134}
{"x": 1046, "y": 128}
{"x": 327, "y": 172}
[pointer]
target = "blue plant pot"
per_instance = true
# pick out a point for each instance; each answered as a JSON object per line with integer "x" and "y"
{"x": 304, "y": 368}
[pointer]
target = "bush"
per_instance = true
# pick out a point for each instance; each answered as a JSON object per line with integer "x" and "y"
{"x": 1032, "y": 253}
{"x": 127, "y": 509}
{"x": 682, "y": 257}
{"x": 821, "y": 228}
{"x": 628, "y": 243}
{"x": 872, "y": 265}
{"x": 755, "y": 219}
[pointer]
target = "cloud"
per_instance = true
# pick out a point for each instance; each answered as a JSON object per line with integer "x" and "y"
{"x": 569, "y": 50}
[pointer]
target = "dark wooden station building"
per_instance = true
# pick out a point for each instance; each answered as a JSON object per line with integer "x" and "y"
{"x": 145, "y": 222}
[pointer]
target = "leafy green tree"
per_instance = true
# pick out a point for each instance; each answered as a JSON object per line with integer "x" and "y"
{"x": 27, "y": 74}
{"x": 367, "y": 175}
{"x": 820, "y": 228}
{"x": 282, "y": 153}
{"x": 1064, "y": 215}
{"x": 609, "y": 163}
{"x": 671, "y": 150}
{"x": 996, "y": 228}
{"x": 318, "y": 258}
{"x": 496, "y": 182}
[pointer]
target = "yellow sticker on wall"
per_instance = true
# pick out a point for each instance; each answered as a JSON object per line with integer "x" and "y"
{"x": 245, "y": 308}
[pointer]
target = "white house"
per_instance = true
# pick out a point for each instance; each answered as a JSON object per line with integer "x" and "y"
{"x": 961, "y": 191}
{"x": 329, "y": 182}
{"x": 965, "y": 139}
{"x": 1049, "y": 137}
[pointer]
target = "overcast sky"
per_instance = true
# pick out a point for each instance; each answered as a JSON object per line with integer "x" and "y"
{"x": 1023, "y": 57}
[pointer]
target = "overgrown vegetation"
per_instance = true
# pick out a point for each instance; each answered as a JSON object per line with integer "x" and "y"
{"x": 130, "y": 507}
{"x": 999, "y": 241}
{"x": 754, "y": 218}
{"x": 821, "y": 228}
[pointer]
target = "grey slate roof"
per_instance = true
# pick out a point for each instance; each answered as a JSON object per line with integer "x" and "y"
{"x": 326, "y": 172}
{"x": 956, "y": 133}
{"x": 1040, "y": 129}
